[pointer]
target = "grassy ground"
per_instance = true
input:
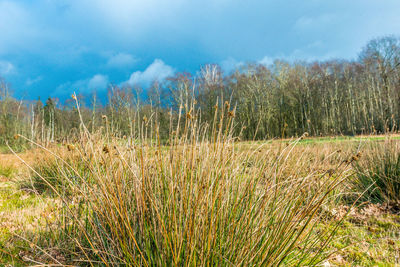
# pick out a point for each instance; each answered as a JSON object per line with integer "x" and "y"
{"x": 23, "y": 214}
{"x": 332, "y": 139}
{"x": 369, "y": 235}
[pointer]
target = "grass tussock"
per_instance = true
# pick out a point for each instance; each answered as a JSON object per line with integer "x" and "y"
{"x": 54, "y": 175}
{"x": 198, "y": 201}
{"x": 378, "y": 174}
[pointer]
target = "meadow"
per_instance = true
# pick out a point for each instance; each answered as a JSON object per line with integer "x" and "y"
{"x": 201, "y": 198}
{"x": 291, "y": 163}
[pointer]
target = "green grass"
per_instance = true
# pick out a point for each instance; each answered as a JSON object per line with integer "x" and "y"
{"x": 4, "y": 149}
{"x": 12, "y": 200}
{"x": 6, "y": 171}
{"x": 18, "y": 147}
{"x": 336, "y": 139}
{"x": 360, "y": 243}
{"x": 378, "y": 174}
{"x": 200, "y": 202}
{"x": 370, "y": 241}
{"x": 373, "y": 241}
{"x": 22, "y": 215}
{"x": 327, "y": 139}
{"x": 48, "y": 175}
{"x": 165, "y": 225}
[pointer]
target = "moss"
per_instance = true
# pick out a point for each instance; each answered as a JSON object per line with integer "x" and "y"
{"x": 18, "y": 200}
{"x": 374, "y": 243}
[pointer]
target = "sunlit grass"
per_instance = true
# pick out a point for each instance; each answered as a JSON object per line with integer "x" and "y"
{"x": 195, "y": 200}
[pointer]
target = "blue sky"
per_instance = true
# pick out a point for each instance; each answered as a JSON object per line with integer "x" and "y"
{"x": 55, "y": 47}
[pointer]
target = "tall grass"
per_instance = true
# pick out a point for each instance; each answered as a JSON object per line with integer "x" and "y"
{"x": 378, "y": 175}
{"x": 48, "y": 176}
{"x": 198, "y": 201}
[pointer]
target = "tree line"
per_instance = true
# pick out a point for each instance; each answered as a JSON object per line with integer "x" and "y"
{"x": 283, "y": 99}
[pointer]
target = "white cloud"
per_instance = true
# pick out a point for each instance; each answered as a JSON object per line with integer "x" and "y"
{"x": 98, "y": 81}
{"x": 157, "y": 70}
{"x": 266, "y": 61}
{"x": 30, "y": 81}
{"x": 230, "y": 64}
{"x": 121, "y": 60}
{"x": 6, "y": 68}
{"x": 314, "y": 23}
{"x": 58, "y": 38}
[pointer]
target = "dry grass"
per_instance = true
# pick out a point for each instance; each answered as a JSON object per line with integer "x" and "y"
{"x": 379, "y": 173}
{"x": 203, "y": 199}
{"x": 363, "y": 241}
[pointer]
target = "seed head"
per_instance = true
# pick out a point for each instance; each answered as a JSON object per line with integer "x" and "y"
{"x": 356, "y": 157}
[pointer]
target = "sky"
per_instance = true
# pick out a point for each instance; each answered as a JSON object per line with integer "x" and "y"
{"x": 55, "y": 47}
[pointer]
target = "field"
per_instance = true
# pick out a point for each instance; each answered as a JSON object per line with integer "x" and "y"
{"x": 318, "y": 214}
{"x": 217, "y": 133}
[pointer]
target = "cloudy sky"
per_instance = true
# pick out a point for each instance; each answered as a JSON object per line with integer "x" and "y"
{"x": 55, "y": 47}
